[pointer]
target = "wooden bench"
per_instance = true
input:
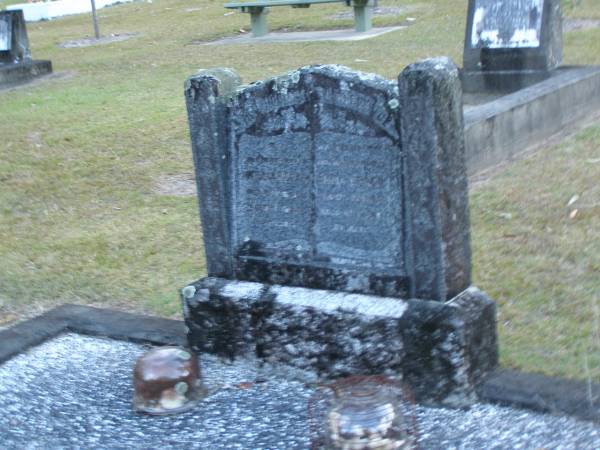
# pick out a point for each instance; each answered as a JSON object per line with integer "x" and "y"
{"x": 258, "y": 10}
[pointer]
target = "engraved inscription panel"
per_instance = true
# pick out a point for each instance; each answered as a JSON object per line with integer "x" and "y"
{"x": 5, "y": 36}
{"x": 507, "y": 23}
{"x": 357, "y": 200}
{"x": 316, "y": 182}
{"x": 273, "y": 194}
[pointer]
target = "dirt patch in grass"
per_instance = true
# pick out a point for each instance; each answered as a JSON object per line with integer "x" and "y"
{"x": 580, "y": 24}
{"x": 34, "y": 138}
{"x": 87, "y": 42}
{"x": 180, "y": 185}
{"x": 379, "y": 11}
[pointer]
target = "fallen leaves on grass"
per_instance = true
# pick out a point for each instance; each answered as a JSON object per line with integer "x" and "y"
{"x": 573, "y": 200}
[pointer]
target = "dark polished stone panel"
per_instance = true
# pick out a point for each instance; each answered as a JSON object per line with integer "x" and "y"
{"x": 14, "y": 44}
{"x": 5, "y": 33}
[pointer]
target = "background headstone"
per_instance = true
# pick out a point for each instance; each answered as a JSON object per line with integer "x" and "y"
{"x": 5, "y": 33}
{"x": 522, "y": 37}
{"x": 16, "y": 65}
{"x": 306, "y": 180}
{"x": 14, "y": 44}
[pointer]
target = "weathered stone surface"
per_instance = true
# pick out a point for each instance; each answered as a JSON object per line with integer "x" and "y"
{"x": 303, "y": 180}
{"x": 333, "y": 334}
{"x": 298, "y": 143}
{"x": 205, "y": 97}
{"x": 478, "y": 313}
{"x": 442, "y": 350}
{"x": 450, "y": 347}
{"x": 435, "y": 178}
{"x": 511, "y": 44}
{"x": 219, "y": 315}
{"x": 328, "y": 197}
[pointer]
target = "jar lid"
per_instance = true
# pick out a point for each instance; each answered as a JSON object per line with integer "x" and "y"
{"x": 166, "y": 380}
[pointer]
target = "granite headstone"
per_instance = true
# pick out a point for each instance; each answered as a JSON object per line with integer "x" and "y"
{"x": 14, "y": 44}
{"x": 307, "y": 180}
{"x": 510, "y": 44}
{"x": 16, "y": 64}
{"x": 328, "y": 197}
{"x": 5, "y": 33}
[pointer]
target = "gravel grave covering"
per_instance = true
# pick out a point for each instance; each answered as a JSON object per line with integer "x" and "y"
{"x": 75, "y": 391}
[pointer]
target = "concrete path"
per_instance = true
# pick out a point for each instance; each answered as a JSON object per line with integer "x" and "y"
{"x": 306, "y": 36}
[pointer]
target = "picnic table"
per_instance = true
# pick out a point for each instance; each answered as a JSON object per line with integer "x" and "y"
{"x": 258, "y": 10}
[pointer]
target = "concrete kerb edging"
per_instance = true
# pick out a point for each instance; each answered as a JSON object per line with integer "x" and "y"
{"x": 90, "y": 321}
{"x": 506, "y": 387}
{"x": 497, "y": 131}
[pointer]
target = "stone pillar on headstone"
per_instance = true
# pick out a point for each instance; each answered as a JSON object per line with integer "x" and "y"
{"x": 207, "y": 113}
{"x": 435, "y": 179}
{"x": 328, "y": 199}
{"x": 511, "y": 44}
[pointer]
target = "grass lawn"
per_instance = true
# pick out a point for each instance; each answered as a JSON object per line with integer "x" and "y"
{"x": 82, "y": 220}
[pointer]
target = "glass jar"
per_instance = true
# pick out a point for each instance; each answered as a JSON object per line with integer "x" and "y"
{"x": 367, "y": 414}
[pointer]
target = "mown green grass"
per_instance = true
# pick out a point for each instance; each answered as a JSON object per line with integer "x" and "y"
{"x": 80, "y": 156}
{"x": 538, "y": 262}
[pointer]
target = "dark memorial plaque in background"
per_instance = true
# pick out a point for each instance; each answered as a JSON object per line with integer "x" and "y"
{"x": 507, "y": 23}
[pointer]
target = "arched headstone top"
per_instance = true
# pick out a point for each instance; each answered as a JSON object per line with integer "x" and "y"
{"x": 369, "y": 97}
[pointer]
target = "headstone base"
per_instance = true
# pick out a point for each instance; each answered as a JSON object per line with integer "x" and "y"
{"x": 15, "y": 73}
{"x": 441, "y": 350}
{"x": 504, "y": 81}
